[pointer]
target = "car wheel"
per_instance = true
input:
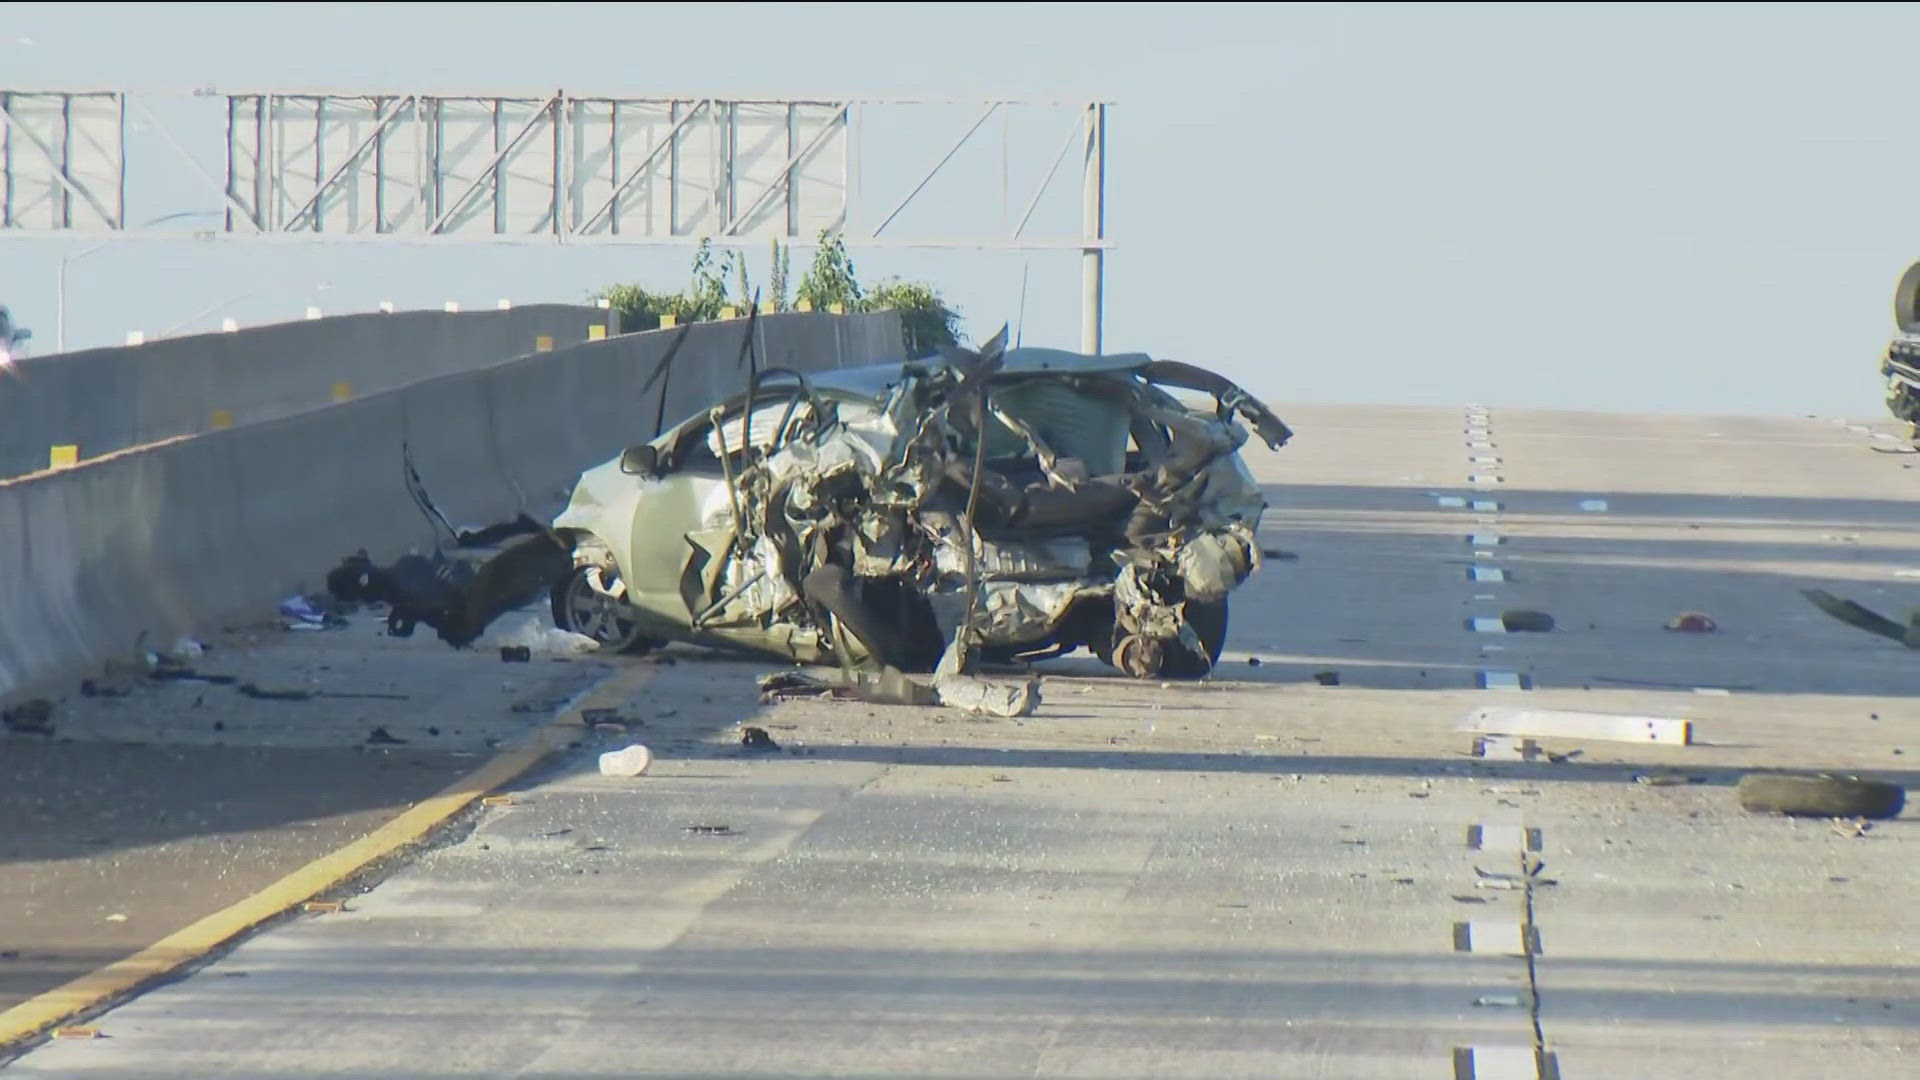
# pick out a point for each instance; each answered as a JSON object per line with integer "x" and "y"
{"x": 585, "y": 610}
{"x": 1819, "y": 796}
{"x": 1209, "y": 623}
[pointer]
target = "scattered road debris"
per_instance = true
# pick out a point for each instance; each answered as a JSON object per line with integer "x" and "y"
{"x": 1253, "y": 661}
{"x": 515, "y": 654}
{"x": 756, "y": 738}
{"x": 1693, "y": 622}
{"x": 1852, "y": 830}
{"x": 1819, "y": 796}
{"x": 1327, "y": 678}
{"x": 711, "y": 830}
{"x": 381, "y": 737}
{"x": 1527, "y": 622}
{"x": 629, "y": 761}
{"x": 1556, "y": 724}
{"x": 1278, "y": 555}
{"x": 1498, "y": 1001}
{"x": 31, "y": 717}
{"x": 1666, "y": 779}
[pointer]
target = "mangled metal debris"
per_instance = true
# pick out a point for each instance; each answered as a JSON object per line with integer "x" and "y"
{"x": 1866, "y": 619}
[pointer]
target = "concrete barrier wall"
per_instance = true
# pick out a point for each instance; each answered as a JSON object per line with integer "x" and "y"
{"x": 191, "y": 534}
{"x": 103, "y": 400}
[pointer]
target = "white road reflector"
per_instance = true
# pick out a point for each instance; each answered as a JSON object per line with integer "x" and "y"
{"x": 1451, "y": 501}
{"x": 1485, "y": 459}
{"x": 1484, "y": 625}
{"x": 1480, "y": 444}
{"x": 1557, "y": 724}
{"x": 1594, "y": 506}
{"x": 1483, "y": 540}
{"x": 1483, "y": 479}
{"x": 1486, "y": 573}
{"x": 1501, "y": 680}
{"x": 1485, "y": 506}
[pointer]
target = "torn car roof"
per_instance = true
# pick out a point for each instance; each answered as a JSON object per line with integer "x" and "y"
{"x": 874, "y": 380}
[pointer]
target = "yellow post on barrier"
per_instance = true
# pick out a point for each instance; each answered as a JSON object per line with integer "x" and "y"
{"x": 543, "y": 343}
{"x": 803, "y": 305}
{"x": 597, "y": 332}
{"x": 768, "y": 307}
{"x": 342, "y": 391}
{"x": 837, "y": 308}
{"x": 63, "y": 457}
{"x": 669, "y": 319}
{"x": 222, "y": 419}
{"x": 727, "y": 312}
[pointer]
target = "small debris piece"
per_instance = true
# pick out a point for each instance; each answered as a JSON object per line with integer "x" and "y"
{"x": 1279, "y": 555}
{"x": 629, "y": 761}
{"x": 116, "y": 917}
{"x": 515, "y": 654}
{"x": 77, "y": 1031}
{"x": 322, "y": 907}
{"x": 496, "y": 800}
{"x": 31, "y": 717}
{"x": 1327, "y": 678}
{"x": 381, "y": 737}
{"x": 985, "y": 697}
{"x": 1499, "y": 1001}
{"x": 1526, "y": 622}
{"x": 756, "y": 738}
{"x": 261, "y": 694}
{"x": 1562, "y": 759}
{"x": 187, "y": 674}
{"x": 96, "y": 688}
{"x": 1852, "y": 829}
{"x": 608, "y": 728}
{"x": 793, "y": 685}
{"x": 711, "y": 830}
{"x": 1693, "y": 622}
{"x": 593, "y": 717}
{"x": 1659, "y": 779}
{"x": 1253, "y": 661}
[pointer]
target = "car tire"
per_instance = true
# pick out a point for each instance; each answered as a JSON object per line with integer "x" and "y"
{"x": 578, "y": 608}
{"x": 1819, "y": 796}
{"x": 1209, "y": 623}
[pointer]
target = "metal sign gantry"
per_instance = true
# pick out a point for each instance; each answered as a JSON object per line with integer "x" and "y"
{"x": 419, "y": 167}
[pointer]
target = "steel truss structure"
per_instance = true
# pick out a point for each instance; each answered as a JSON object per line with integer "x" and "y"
{"x": 557, "y": 168}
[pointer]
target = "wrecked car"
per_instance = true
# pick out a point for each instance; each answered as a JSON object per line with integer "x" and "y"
{"x": 1900, "y": 365}
{"x": 827, "y": 518}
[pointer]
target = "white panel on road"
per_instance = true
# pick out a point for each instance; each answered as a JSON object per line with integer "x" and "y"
{"x": 1503, "y": 1063}
{"x": 1503, "y": 838}
{"x": 1451, "y": 501}
{"x": 1485, "y": 625}
{"x": 1486, "y": 573}
{"x": 1497, "y": 936}
{"x": 1483, "y": 480}
{"x": 1552, "y": 723}
{"x": 1485, "y": 459}
{"x": 1485, "y": 506}
{"x": 1594, "y": 506}
{"x": 1501, "y": 680}
{"x": 1483, "y": 540}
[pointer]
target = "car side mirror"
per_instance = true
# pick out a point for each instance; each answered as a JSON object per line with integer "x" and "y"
{"x": 640, "y": 460}
{"x": 643, "y": 460}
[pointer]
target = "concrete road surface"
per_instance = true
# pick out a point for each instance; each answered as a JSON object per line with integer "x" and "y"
{"x": 1257, "y": 876}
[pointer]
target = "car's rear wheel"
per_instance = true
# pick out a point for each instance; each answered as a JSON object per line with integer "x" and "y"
{"x": 581, "y": 608}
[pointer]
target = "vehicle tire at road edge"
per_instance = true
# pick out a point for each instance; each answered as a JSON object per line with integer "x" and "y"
{"x": 1819, "y": 796}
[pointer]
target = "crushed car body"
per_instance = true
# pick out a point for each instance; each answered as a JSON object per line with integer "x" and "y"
{"x": 1900, "y": 365}
{"x": 824, "y": 518}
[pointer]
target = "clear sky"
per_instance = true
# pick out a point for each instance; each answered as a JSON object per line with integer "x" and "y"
{"x": 1663, "y": 207}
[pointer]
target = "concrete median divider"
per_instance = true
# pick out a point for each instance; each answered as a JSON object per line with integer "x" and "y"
{"x": 201, "y": 531}
{"x": 103, "y": 400}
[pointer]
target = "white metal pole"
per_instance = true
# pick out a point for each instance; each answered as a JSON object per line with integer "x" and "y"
{"x": 1093, "y": 227}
